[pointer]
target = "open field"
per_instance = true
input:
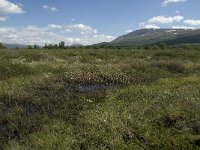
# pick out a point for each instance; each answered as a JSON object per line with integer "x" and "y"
{"x": 99, "y": 99}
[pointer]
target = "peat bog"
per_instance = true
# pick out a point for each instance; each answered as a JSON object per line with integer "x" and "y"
{"x": 99, "y": 99}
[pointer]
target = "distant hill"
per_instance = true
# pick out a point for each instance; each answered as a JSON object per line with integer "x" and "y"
{"x": 76, "y": 45}
{"x": 142, "y": 37}
{"x": 15, "y": 45}
{"x": 155, "y": 36}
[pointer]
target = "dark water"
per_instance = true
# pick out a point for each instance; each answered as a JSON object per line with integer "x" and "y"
{"x": 66, "y": 102}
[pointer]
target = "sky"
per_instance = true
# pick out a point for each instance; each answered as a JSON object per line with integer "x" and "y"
{"x": 90, "y": 21}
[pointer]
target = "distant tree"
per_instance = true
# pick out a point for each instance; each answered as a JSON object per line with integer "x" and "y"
{"x": 67, "y": 47}
{"x": 30, "y": 47}
{"x": 96, "y": 47}
{"x": 147, "y": 47}
{"x": 55, "y": 46}
{"x": 2, "y": 46}
{"x": 45, "y": 46}
{"x": 155, "y": 47}
{"x": 163, "y": 46}
{"x": 62, "y": 45}
{"x": 50, "y": 46}
{"x": 36, "y": 46}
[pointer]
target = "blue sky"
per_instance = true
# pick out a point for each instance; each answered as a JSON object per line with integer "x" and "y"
{"x": 90, "y": 21}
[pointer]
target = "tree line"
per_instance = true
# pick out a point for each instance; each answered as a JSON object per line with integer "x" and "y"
{"x": 61, "y": 45}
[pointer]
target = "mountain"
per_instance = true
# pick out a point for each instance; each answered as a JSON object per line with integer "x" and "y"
{"x": 142, "y": 37}
{"x": 76, "y": 45}
{"x": 14, "y": 45}
{"x": 156, "y": 36}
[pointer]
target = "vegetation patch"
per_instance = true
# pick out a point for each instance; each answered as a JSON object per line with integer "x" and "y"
{"x": 99, "y": 98}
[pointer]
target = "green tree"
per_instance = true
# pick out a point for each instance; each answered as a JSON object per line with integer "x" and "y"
{"x": 56, "y": 46}
{"x": 2, "y": 46}
{"x": 45, "y": 46}
{"x": 163, "y": 46}
{"x": 30, "y": 47}
{"x": 155, "y": 47}
{"x": 147, "y": 47}
{"x": 36, "y": 46}
{"x": 62, "y": 45}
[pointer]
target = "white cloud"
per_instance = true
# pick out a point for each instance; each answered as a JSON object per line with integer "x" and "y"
{"x": 54, "y": 26}
{"x": 182, "y": 27}
{"x": 51, "y": 8}
{"x": 97, "y": 38}
{"x": 151, "y": 26}
{"x": 192, "y": 22}
{"x": 148, "y": 26}
{"x": 129, "y": 31}
{"x": 141, "y": 25}
{"x": 3, "y": 18}
{"x": 33, "y": 28}
{"x": 81, "y": 28}
{"x": 41, "y": 35}
{"x": 166, "y": 2}
{"x": 165, "y": 20}
{"x": 7, "y": 7}
{"x": 178, "y": 18}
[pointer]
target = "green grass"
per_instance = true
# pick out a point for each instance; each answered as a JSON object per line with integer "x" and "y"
{"x": 149, "y": 99}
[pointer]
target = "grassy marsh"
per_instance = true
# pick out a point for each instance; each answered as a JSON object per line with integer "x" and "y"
{"x": 148, "y": 99}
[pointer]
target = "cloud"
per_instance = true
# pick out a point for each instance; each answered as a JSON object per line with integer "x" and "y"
{"x": 3, "y": 18}
{"x": 51, "y": 8}
{"x": 148, "y": 26}
{"x": 166, "y": 2}
{"x": 52, "y": 34}
{"x": 182, "y": 27}
{"x": 54, "y": 26}
{"x": 154, "y": 21}
{"x": 142, "y": 24}
{"x": 162, "y": 19}
{"x": 7, "y": 7}
{"x": 192, "y": 22}
{"x": 129, "y": 31}
{"x": 84, "y": 29}
{"x": 151, "y": 26}
{"x": 81, "y": 28}
{"x": 165, "y": 20}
